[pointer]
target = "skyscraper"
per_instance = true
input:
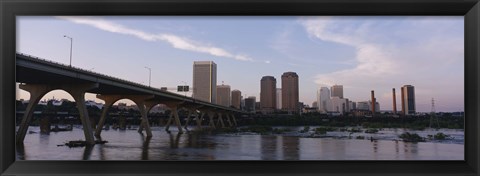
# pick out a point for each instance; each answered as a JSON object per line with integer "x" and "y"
{"x": 250, "y": 104}
{"x": 205, "y": 81}
{"x": 408, "y": 100}
{"x": 236, "y": 98}
{"x": 323, "y": 97}
{"x": 394, "y": 101}
{"x": 268, "y": 88}
{"x": 223, "y": 95}
{"x": 337, "y": 91}
{"x": 290, "y": 92}
{"x": 279, "y": 98}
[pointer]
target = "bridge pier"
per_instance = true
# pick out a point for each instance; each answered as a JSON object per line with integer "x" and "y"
{"x": 140, "y": 101}
{"x": 199, "y": 119}
{"x": 190, "y": 112}
{"x": 37, "y": 91}
{"x": 174, "y": 113}
{"x": 227, "y": 115}
{"x": 193, "y": 110}
{"x": 211, "y": 122}
{"x": 220, "y": 120}
{"x": 234, "y": 120}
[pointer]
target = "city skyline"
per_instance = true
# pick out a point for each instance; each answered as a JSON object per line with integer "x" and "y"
{"x": 360, "y": 53}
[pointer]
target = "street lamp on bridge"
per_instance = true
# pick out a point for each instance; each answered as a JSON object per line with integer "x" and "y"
{"x": 149, "y": 76}
{"x": 71, "y": 44}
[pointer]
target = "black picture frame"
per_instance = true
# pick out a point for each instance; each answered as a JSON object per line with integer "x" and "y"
{"x": 470, "y": 9}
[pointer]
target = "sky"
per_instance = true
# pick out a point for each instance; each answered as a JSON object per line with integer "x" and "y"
{"x": 361, "y": 53}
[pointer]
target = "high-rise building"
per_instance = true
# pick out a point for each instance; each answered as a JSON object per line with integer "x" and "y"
{"x": 223, "y": 95}
{"x": 367, "y": 106}
{"x": 323, "y": 97}
{"x": 236, "y": 98}
{"x": 337, "y": 104}
{"x": 373, "y": 100}
{"x": 250, "y": 104}
{"x": 337, "y": 91}
{"x": 279, "y": 98}
{"x": 205, "y": 81}
{"x": 268, "y": 90}
{"x": 408, "y": 100}
{"x": 290, "y": 93}
{"x": 315, "y": 104}
{"x": 394, "y": 101}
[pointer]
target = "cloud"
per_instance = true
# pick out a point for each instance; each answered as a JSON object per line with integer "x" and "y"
{"x": 393, "y": 52}
{"x": 174, "y": 40}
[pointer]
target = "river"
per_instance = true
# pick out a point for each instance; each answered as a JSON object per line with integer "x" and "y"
{"x": 131, "y": 145}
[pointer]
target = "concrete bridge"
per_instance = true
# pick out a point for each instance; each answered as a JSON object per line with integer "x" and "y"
{"x": 38, "y": 77}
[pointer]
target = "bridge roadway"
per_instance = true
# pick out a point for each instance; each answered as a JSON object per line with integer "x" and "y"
{"x": 39, "y": 76}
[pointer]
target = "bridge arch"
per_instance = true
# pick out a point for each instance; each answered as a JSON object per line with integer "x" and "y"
{"x": 38, "y": 91}
{"x": 139, "y": 100}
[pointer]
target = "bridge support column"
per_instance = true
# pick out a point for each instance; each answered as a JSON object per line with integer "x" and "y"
{"x": 175, "y": 118}
{"x": 188, "y": 119}
{"x": 140, "y": 101}
{"x": 234, "y": 120}
{"x": 211, "y": 123}
{"x": 37, "y": 91}
{"x": 199, "y": 119}
{"x": 174, "y": 108}
{"x": 148, "y": 106}
{"x": 227, "y": 115}
{"x": 169, "y": 121}
{"x": 220, "y": 120}
{"x": 109, "y": 100}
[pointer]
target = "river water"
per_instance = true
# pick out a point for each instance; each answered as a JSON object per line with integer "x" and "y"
{"x": 131, "y": 145}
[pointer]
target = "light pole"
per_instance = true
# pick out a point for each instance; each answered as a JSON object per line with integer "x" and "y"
{"x": 71, "y": 44}
{"x": 149, "y": 76}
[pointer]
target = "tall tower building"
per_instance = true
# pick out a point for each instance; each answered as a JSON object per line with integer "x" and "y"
{"x": 268, "y": 90}
{"x": 205, "y": 81}
{"x": 236, "y": 98}
{"x": 394, "y": 101}
{"x": 323, "y": 97}
{"x": 250, "y": 104}
{"x": 279, "y": 98}
{"x": 408, "y": 100}
{"x": 373, "y": 103}
{"x": 337, "y": 91}
{"x": 223, "y": 95}
{"x": 290, "y": 92}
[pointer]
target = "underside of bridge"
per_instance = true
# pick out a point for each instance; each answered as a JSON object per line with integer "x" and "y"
{"x": 144, "y": 103}
{"x": 38, "y": 77}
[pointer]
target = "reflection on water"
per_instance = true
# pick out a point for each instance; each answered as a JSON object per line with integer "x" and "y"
{"x": 131, "y": 145}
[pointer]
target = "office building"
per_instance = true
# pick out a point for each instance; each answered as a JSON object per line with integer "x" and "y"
{"x": 323, "y": 97}
{"x": 337, "y": 104}
{"x": 290, "y": 94}
{"x": 223, "y": 95}
{"x": 394, "y": 101}
{"x": 236, "y": 99}
{"x": 279, "y": 98}
{"x": 250, "y": 104}
{"x": 205, "y": 81}
{"x": 337, "y": 91}
{"x": 367, "y": 106}
{"x": 408, "y": 100}
{"x": 268, "y": 91}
